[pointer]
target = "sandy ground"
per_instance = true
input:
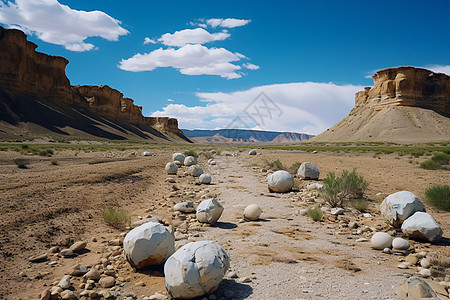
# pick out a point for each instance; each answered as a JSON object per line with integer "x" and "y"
{"x": 284, "y": 255}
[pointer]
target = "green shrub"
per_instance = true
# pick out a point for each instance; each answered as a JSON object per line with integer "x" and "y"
{"x": 191, "y": 152}
{"x": 22, "y": 163}
{"x": 441, "y": 158}
{"x": 276, "y": 165}
{"x": 117, "y": 218}
{"x": 206, "y": 154}
{"x": 54, "y": 162}
{"x": 48, "y": 152}
{"x": 429, "y": 165}
{"x": 439, "y": 196}
{"x": 360, "y": 204}
{"x": 24, "y": 146}
{"x": 337, "y": 190}
{"x": 315, "y": 213}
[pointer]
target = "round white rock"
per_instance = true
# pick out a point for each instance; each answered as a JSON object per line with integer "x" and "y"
{"x": 252, "y": 212}
{"x": 381, "y": 240}
{"x": 178, "y": 157}
{"x": 205, "y": 179}
{"x": 148, "y": 244}
{"x": 195, "y": 269}
{"x": 171, "y": 168}
{"x": 209, "y": 211}
{"x": 400, "y": 244}
{"x": 195, "y": 170}
{"x": 280, "y": 181}
{"x": 190, "y": 160}
{"x": 252, "y": 152}
{"x": 399, "y": 206}
{"x": 146, "y": 153}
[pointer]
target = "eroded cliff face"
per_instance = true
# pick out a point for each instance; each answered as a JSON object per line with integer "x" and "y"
{"x": 408, "y": 86}
{"x": 25, "y": 72}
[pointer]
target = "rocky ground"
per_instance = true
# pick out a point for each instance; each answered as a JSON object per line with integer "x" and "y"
{"x": 47, "y": 208}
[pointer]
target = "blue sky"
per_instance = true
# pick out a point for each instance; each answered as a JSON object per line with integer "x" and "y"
{"x": 206, "y": 61}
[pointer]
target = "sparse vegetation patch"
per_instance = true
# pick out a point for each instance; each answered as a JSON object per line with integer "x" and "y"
{"x": 339, "y": 189}
{"x": 116, "y": 217}
{"x": 439, "y": 196}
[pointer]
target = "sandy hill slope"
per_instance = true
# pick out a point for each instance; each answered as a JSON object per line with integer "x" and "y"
{"x": 37, "y": 99}
{"x": 406, "y": 105}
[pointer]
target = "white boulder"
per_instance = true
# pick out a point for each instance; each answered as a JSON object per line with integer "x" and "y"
{"x": 252, "y": 212}
{"x": 280, "y": 181}
{"x": 195, "y": 269}
{"x": 252, "y": 152}
{"x": 178, "y": 157}
{"x": 400, "y": 244}
{"x": 205, "y": 178}
{"x": 381, "y": 240}
{"x": 210, "y": 160}
{"x": 148, "y": 244}
{"x": 213, "y": 163}
{"x": 422, "y": 226}
{"x": 186, "y": 207}
{"x": 399, "y": 206}
{"x": 171, "y": 168}
{"x": 209, "y": 211}
{"x": 195, "y": 170}
{"x": 146, "y": 153}
{"x": 308, "y": 170}
{"x": 190, "y": 161}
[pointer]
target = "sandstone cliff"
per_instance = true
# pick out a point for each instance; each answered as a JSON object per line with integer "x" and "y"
{"x": 406, "y": 104}
{"x": 28, "y": 74}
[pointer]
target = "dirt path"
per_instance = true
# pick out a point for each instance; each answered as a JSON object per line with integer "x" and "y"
{"x": 286, "y": 255}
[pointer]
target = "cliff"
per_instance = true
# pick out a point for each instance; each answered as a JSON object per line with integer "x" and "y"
{"x": 26, "y": 73}
{"x": 406, "y": 104}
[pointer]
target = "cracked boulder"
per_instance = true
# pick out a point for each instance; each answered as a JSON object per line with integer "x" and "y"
{"x": 148, "y": 244}
{"x": 195, "y": 269}
{"x": 399, "y": 206}
{"x": 280, "y": 181}
{"x": 209, "y": 211}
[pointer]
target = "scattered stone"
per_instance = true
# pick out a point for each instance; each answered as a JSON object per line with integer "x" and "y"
{"x": 280, "y": 181}
{"x": 421, "y": 254}
{"x": 147, "y": 153}
{"x": 78, "y": 246}
{"x": 425, "y": 273}
{"x": 314, "y": 186}
{"x": 425, "y": 263}
{"x": 252, "y": 152}
{"x": 103, "y": 293}
{"x": 186, "y": 207}
{"x": 190, "y": 161}
{"x": 178, "y": 157}
{"x": 397, "y": 207}
{"x": 209, "y": 211}
{"x": 67, "y": 252}
{"x": 400, "y": 244}
{"x": 244, "y": 280}
{"x": 53, "y": 249}
{"x": 38, "y": 258}
{"x": 303, "y": 212}
{"x": 195, "y": 269}
{"x": 422, "y": 226}
{"x": 387, "y": 250}
{"x": 361, "y": 240}
{"x": 155, "y": 219}
{"x": 337, "y": 211}
{"x": 107, "y": 282}
{"x": 148, "y": 244}
{"x": 367, "y": 215}
{"x": 171, "y": 168}
{"x": 252, "y": 212}
{"x": 381, "y": 240}
{"x": 205, "y": 179}
{"x": 67, "y": 294}
{"x": 412, "y": 259}
{"x": 115, "y": 242}
{"x": 45, "y": 295}
{"x": 65, "y": 282}
{"x": 79, "y": 270}
{"x": 158, "y": 296}
{"x": 180, "y": 236}
{"x": 403, "y": 265}
{"x": 213, "y": 163}
{"x": 195, "y": 170}
{"x": 232, "y": 275}
{"x": 308, "y": 170}
{"x": 170, "y": 180}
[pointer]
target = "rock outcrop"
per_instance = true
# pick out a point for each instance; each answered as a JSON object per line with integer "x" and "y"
{"x": 406, "y": 104}
{"x": 24, "y": 72}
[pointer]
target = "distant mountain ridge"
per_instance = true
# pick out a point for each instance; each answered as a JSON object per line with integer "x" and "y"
{"x": 244, "y": 136}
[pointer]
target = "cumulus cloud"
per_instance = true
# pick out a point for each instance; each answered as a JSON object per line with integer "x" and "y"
{"x": 191, "y": 59}
{"x": 227, "y": 23}
{"x": 308, "y": 107}
{"x": 439, "y": 69}
{"x": 148, "y": 40}
{"x": 191, "y": 36}
{"x": 250, "y": 66}
{"x": 58, "y": 24}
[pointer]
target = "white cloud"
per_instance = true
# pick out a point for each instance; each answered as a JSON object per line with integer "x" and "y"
{"x": 191, "y": 36}
{"x": 308, "y": 107}
{"x": 191, "y": 59}
{"x": 250, "y": 66}
{"x": 148, "y": 40}
{"x": 170, "y": 100}
{"x": 439, "y": 69}
{"x": 58, "y": 24}
{"x": 227, "y": 23}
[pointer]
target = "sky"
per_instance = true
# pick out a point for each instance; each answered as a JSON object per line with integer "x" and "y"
{"x": 280, "y": 65}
